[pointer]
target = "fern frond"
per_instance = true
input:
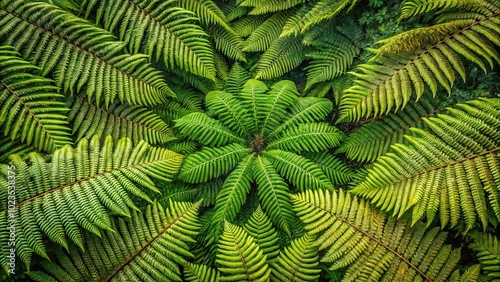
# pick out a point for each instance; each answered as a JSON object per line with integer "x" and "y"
{"x": 119, "y": 120}
{"x": 374, "y": 139}
{"x": 151, "y": 246}
{"x": 270, "y": 6}
{"x": 237, "y": 78}
{"x": 206, "y": 10}
{"x": 240, "y": 257}
{"x": 209, "y": 163}
{"x": 273, "y": 194}
{"x": 310, "y": 137}
{"x": 357, "y": 236}
{"x": 298, "y": 262}
{"x": 252, "y": 96}
{"x": 162, "y": 30}
{"x": 245, "y": 26}
{"x": 9, "y": 147}
{"x": 336, "y": 171}
{"x": 77, "y": 188}
{"x": 200, "y": 273}
{"x": 227, "y": 42}
{"x": 308, "y": 16}
{"x": 450, "y": 170}
{"x": 410, "y": 8}
{"x": 206, "y": 130}
{"x": 284, "y": 54}
{"x": 263, "y": 36}
{"x": 262, "y": 231}
{"x": 31, "y": 109}
{"x": 300, "y": 171}
{"x": 187, "y": 101}
{"x": 487, "y": 248}
{"x": 282, "y": 96}
{"x": 79, "y": 54}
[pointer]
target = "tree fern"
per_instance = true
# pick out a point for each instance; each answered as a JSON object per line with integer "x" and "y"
{"x": 152, "y": 246}
{"x": 487, "y": 248}
{"x": 261, "y": 229}
{"x": 31, "y": 109}
{"x": 282, "y": 56}
{"x": 160, "y": 29}
{"x": 119, "y": 120}
{"x": 90, "y": 57}
{"x": 409, "y": 61}
{"x": 77, "y": 187}
{"x": 240, "y": 257}
{"x": 356, "y": 236}
{"x": 451, "y": 170}
{"x": 374, "y": 139}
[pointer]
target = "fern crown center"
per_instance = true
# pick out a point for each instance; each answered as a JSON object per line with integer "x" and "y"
{"x": 258, "y": 144}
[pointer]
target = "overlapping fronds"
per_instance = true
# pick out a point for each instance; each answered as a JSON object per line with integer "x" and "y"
{"x": 206, "y": 10}
{"x": 200, "y": 273}
{"x": 237, "y": 78}
{"x": 374, "y": 139}
{"x": 310, "y": 15}
{"x": 79, "y": 54}
{"x": 229, "y": 111}
{"x": 280, "y": 98}
{"x": 336, "y": 171}
{"x": 245, "y": 26}
{"x": 487, "y": 248}
{"x": 118, "y": 120}
{"x": 262, "y": 37}
{"x": 261, "y": 229}
{"x": 160, "y": 29}
{"x": 9, "y": 147}
{"x": 31, "y": 109}
{"x": 227, "y": 42}
{"x": 356, "y": 236}
{"x": 284, "y": 54}
{"x": 451, "y": 170}
{"x": 270, "y": 6}
{"x": 427, "y": 56}
{"x": 151, "y": 246}
{"x": 240, "y": 257}
{"x": 410, "y": 8}
{"x": 298, "y": 262}
{"x": 76, "y": 189}
{"x": 187, "y": 101}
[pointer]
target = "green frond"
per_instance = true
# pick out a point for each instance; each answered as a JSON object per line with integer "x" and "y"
{"x": 263, "y": 36}
{"x": 237, "y": 78}
{"x": 270, "y": 6}
{"x": 336, "y": 171}
{"x": 176, "y": 191}
{"x": 284, "y": 54}
{"x": 374, "y": 139}
{"x": 470, "y": 274}
{"x": 197, "y": 82}
{"x": 252, "y": 96}
{"x": 282, "y": 96}
{"x": 310, "y": 137}
{"x": 355, "y": 235}
{"x": 31, "y": 109}
{"x": 160, "y": 29}
{"x": 410, "y": 8}
{"x": 77, "y": 188}
{"x": 273, "y": 194}
{"x": 207, "y": 192}
{"x": 427, "y": 56}
{"x": 298, "y": 262}
{"x": 187, "y": 101}
{"x": 233, "y": 194}
{"x": 221, "y": 66}
{"x": 305, "y": 110}
{"x": 309, "y": 16}
{"x": 206, "y": 10}
{"x": 227, "y": 42}
{"x": 206, "y": 130}
{"x": 9, "y": 147}
{"x": 262, "y": 231}
{"x": 301, "y": 172}
{"x": 239, "y": 257}
{"x": 487, "y": 248}
{"x": 451, "y": 170}
{"x": 151, "y": 246}
{"x": 200, "y": 273}
{"x": 229, "y": 111}
{"x": 79, "y": 54}
{"x": 245, "y": 26}
{"x": 119, "y": 120}
{"x": 209, "y": 163}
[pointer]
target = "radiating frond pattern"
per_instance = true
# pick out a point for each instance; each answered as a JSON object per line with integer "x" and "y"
{"x": 451, "y": 170}
{"x": 75, "y": 189}
{"x": 373, "y": 248}
{"x": 151, "y": 246}
{"x": 79, "y": 54}
{"x": 31, "y": 109}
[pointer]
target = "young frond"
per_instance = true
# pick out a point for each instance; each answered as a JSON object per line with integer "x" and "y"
{"x": 31, "y": 109}
{"x": 151, "y": 246}
{"x": 160, "y": 29}
{"x": 357, "y": 236}
{"x": 77, "y": 188}
{"x": 80, "y": 54}
{"x": 239, "y": 257}
{"x": 451, "y": 170}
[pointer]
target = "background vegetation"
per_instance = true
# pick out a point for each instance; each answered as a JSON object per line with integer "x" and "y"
{"x": 251, "y": 140}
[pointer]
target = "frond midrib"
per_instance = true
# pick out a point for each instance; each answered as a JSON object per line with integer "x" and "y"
{"x": 83, "y": 180}
{"x": 241, "y": 257}
{"x": 59, "y": 37}
{"x": 31, "y": 113}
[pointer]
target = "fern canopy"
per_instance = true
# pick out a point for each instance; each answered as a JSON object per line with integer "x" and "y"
{"x": 74, "y": 191}
{"x": 451, "y": 170}
{"x": 372, "y": 247}
{"x": 151, "y": 246}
